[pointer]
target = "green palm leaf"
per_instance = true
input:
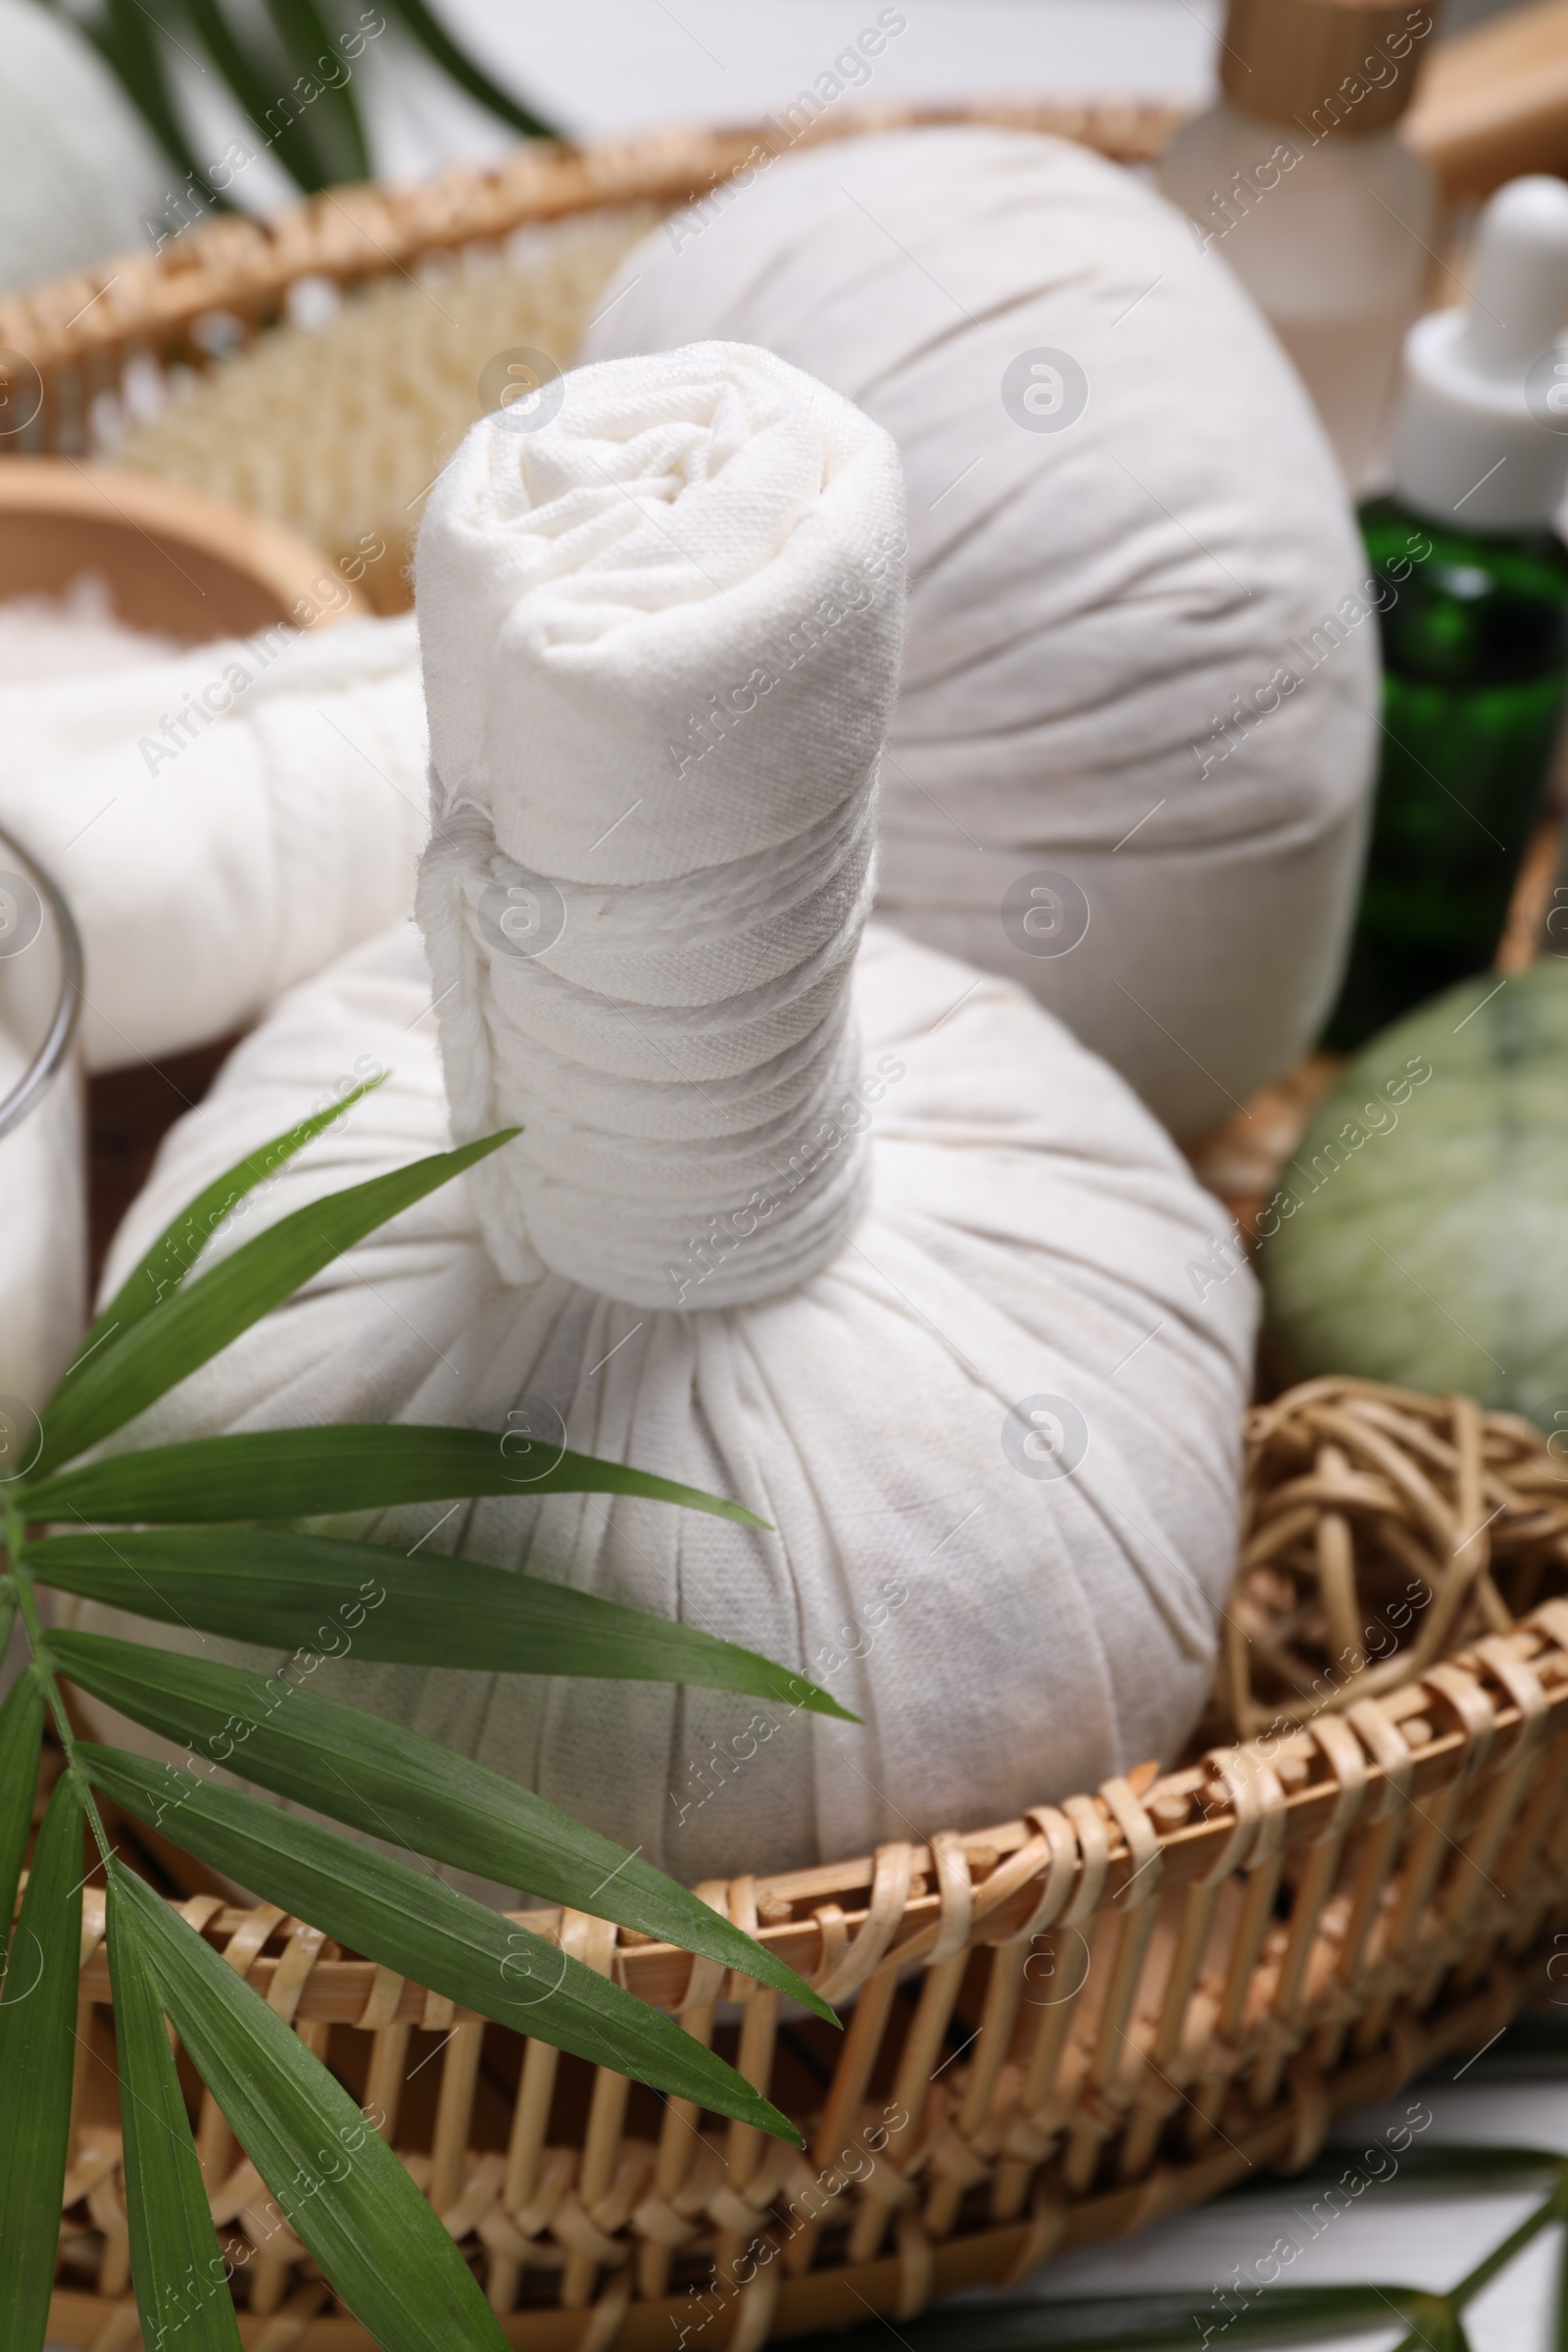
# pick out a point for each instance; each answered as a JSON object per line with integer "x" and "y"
{"x": 132, "y": 42}
{"x": 182, "y": 2289}
{"x": 126, "y": 39}
{"x": 312, "y": 1591}
{"x": 1425, "y": 2163}
{"x": 20, "y": 1743}
{"x": 309, "y": 44}
{"x": 255, "y": 92}
{"x": 427, "y": 1932}
{"x": 180, "y": 1244}
{"x": 1437, "y": 2327}
{"x": 1147, "y": 2323}
{"x": 142, "y": 1363}
{"x": 437, "y": 43}
{"x": 346, "y": 1466}
{"x": 342, "y": 2190}
{"x": 394, "y": 1784}
{"x": 37, "y": 2042}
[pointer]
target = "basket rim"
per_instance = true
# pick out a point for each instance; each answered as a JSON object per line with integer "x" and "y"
{"x": 367, "y": 230}
{"x": 1491, "y": 1702}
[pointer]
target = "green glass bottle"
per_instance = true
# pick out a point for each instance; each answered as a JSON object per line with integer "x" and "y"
{"x": 1475, "y": 671}
{"x": 1472, "y": 593}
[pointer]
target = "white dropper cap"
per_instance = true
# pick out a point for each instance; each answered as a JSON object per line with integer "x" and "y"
{"x": 1481, "y": 439}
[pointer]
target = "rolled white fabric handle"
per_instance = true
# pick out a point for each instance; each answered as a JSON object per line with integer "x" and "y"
{"x": 660, "y": 627}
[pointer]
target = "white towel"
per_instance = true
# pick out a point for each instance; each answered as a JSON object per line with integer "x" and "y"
{"x": 988, "y": 1343}
{"x": 1130, "y": 760}
{"x": 224, "y": 821}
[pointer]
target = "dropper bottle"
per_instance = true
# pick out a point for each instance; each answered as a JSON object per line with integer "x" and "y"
{"x": 1299, "y": 180}
{"x": 1471, "y": 584}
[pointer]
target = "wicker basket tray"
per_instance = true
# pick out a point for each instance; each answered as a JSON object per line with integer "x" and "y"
{"x": 1058, "y": 2028}
{"x": 83, "y": 358}
{"x": 62, "y": 341}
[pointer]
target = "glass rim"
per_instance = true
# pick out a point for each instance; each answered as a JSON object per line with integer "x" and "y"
{"x": 50, "y": 1058}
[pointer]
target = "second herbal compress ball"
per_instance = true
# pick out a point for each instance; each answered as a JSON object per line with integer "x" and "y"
{"x": 1134, "y": 736}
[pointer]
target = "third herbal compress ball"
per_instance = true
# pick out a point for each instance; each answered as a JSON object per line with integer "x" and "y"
{"x": 1134, "y": 737}
{"x": 802, "y": 1214}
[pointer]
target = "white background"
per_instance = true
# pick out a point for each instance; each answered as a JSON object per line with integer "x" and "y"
{"x": 597, "y": 67}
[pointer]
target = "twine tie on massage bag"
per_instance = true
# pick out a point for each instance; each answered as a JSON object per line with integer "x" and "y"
{"x": 641, "y": 950}
{"x": 820, "y": 1220}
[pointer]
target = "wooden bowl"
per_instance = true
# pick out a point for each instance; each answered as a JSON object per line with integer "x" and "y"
{"x": 176, "y": 563}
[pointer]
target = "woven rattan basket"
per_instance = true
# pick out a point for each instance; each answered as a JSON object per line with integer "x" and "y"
{"x": 62, "y": 342}
{"x": 1058, "y": 2027}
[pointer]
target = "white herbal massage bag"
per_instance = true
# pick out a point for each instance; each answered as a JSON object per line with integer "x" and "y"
{"x": 1130, "y": 762}
{"x": 823, "y": 1221}
{"x": 227, "y": 818}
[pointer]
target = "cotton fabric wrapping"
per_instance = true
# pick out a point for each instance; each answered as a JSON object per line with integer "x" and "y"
{"x": 994, "y": 1432}
{"x": 1130, "y": 657}
{"x": 672, "y": 1028}
{"x": 224, "y": 821}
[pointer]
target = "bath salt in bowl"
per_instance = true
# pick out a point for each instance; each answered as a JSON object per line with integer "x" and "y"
{"x": 75, "y": 634}
{"x": 173, "y": 562}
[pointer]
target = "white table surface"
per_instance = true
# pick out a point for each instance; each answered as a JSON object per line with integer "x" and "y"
{"x": 1414, "y": 2236}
